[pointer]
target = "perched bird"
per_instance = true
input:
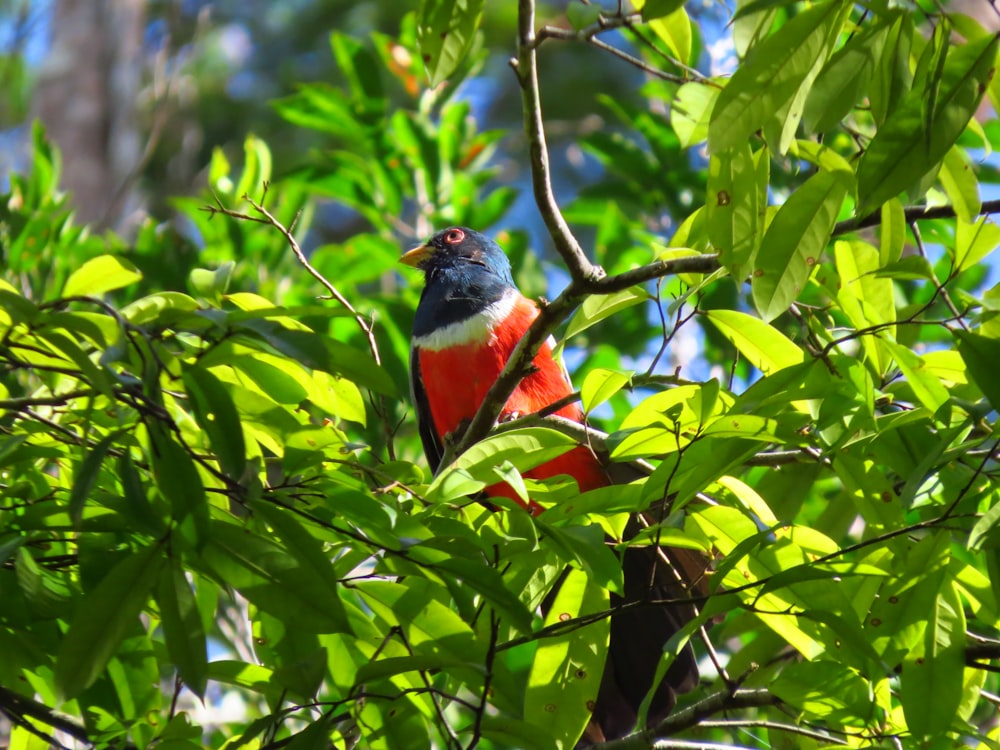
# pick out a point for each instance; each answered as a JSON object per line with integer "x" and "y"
{"x": 469, "y": 319}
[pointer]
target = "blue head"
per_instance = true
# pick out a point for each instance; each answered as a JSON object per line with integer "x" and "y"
{"x": 465, "y": 272}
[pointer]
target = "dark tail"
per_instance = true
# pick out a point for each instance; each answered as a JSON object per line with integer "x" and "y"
{"x": 638, "y": 635}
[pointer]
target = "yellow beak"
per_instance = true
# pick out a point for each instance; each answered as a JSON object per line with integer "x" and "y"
{"x": 417, "y": 255}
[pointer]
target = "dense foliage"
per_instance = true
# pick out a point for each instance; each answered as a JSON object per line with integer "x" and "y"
{"x": 212, "y": 491}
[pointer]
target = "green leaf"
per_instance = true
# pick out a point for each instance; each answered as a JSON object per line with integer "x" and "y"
{"x": 932, "y": 677}
{"x": 525, "y": 449}
{"x": 843, "y": 81}
{"x": 981, "y": 355}
{"x": 103, "y": 619}
{"x": 182, "y": 627}
{"x": 566, "y": 672}
{"x": 865, "y": 297}
{"x": 256, "y": 169}
{"x": 982, "y": 533}
{"x": 960, "y": 184}
{"x": 281, "y": 381}
{"x": 323, "y": 353}
{"x": 735, "y": 208}
{"x": 795, "y": 242}
{"x": 421, "y": 610}
{"x": 176, "y": 475}
{"x": 914, "y": 138}
{"x": 160, "y": 308}
{"x": 892, "y": 232}
{"x": 600, "y": 385}
{"x": 775, "y": 73}
{"x": 96, "y": 376}
{"x": 974, "y": 241}
{"x": 86, "y": 475}
{"x": 216, "y": 414}
{"x": 597, "y": 307}
{"x": 675, "y": 31}
{"x": 824, "y": 689}
{"x": 927, "y": 386}
{"x": 102, "y": 274}
{"x": 691, "y": 111}
{"x": 766, "y": 348}
{"x": 361, "y": 69}
{"x": 445, "y": 32}
{"x": 658, "y": 8}
{"x": 211, "y": 284}
{"x": 273, "y": 578}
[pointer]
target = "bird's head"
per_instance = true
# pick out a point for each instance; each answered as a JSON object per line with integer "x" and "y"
{"x": 458, "y": 251}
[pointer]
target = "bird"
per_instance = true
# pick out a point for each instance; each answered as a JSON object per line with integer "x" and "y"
{"x": 470, "y": 317}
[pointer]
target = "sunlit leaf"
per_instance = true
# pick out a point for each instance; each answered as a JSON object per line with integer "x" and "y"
{"x": 99, "y": 275}
{"x": 763, "y": 345}
{"x": 566, "y": 671}
{"x": 600, "y": 385}
{"x": 913, "y": 140}
{"x": 777, "y": 70}
{"x": 445, "y": 33}
{"x": 932, "y": 676}
{"x": 795, "y": 242}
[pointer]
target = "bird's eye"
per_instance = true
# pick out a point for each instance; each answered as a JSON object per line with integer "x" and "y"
{"x": 454, "y": 236}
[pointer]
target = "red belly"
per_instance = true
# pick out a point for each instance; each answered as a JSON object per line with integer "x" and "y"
{"x": 456, "y": 380}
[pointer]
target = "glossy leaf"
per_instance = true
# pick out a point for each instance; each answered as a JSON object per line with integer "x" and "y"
{"x": 566, "y": 672}
{"x": 778, "y": 69}
{"x": 913, "y": 140}
{"x": 600, "y": 385}
{"x": 100, "y": 275}
{"x": 795, "y": 242}
{"x": 445, "y": 34}
{"x": 763, "y": 345}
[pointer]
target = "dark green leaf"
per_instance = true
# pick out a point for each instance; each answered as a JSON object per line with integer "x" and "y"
{"x": 86, "y": 475}
{"x": 981, "y": 355}
{"x": 271, "y": 577}
{"x": 182, "y": 628}
{"x": 216, "y": 414}
{"x": 103, "y": 619}
{"x": 176, "y": 475}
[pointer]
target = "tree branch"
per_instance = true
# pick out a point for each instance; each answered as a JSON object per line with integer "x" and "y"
{"x": 725, "y": 700}
{"x": 910, "y": 214}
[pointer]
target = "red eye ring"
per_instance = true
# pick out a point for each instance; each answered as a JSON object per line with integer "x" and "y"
{"x": 454, "y": 236}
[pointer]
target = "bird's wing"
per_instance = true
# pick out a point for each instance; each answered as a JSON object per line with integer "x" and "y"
{"x": 433, "y": 448}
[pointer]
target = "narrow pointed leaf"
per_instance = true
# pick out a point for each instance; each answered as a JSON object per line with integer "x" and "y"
{"x": 795, "y": 242}
{"x": 103, "y": 619}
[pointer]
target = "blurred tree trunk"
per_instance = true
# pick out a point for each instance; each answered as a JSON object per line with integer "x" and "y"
{"x": 86, "y": 97}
